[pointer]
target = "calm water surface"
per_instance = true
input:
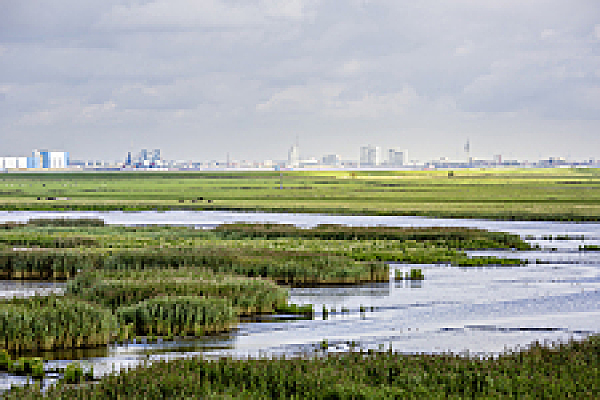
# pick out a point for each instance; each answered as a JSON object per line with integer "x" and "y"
{"x": 477, "y": 310}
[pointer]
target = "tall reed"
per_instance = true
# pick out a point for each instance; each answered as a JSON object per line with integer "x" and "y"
{"x": 44, "y": 263}
{"x": 456, "y": 237}
{"x": 53, "y": 322}
{"x": 179, "y": 315}
{"x": 117, "y": 288}
{"x": 569, "y": 370}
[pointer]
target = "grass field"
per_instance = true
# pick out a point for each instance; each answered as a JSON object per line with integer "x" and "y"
{"x": 525, "y": 194}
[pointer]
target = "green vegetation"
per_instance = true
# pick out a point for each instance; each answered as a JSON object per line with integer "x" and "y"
{"x": 416, "y": 274}
{"x": 179, "y": 316}
{"x": 520, "y": 194}
{"x": 53, "y": 322}
{"x": 459, "y": 238}
{"x": 73, "y": 373}
{"x": 285, "y": 267}
{"x": 562, "y": 237}
{"x": 36, "y": 263}
{"x": 119, "y": 288}
{"x": 567, "y": 370}
{"x": 33, "y": 366}
{"x": 148, "y": 278}
{"x": 589, "y": 247}
{"x": 373, "y": 244}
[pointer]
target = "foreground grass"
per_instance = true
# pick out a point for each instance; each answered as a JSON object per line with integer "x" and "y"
{"x": 567, "y": 371}
{"x": 528, "y": 194}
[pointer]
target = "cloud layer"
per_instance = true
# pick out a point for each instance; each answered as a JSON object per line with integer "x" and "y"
{"x": 202, "y": 78}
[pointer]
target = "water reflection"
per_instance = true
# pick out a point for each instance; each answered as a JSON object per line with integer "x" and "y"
{"x": 408, "y": 284}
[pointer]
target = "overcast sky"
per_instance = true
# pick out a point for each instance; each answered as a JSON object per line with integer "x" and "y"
{"x": 200, "y": 78}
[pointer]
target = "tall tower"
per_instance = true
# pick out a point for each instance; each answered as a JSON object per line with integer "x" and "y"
{"x": 294, "y": 156}
{"x": 468, "y": 150}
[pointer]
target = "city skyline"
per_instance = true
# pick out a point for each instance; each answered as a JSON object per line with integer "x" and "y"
{"x": 204, "y": 79}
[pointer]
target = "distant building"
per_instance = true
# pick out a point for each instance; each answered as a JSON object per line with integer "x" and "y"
{"x": 13, "y": 162}
{"x": 309, "y": 162}
{"x": 552, "y": 162}
{"x": 332, "y": 159}
{"x": 145, "y": 159}
{"x": 397, "y": 157}
{"x": 38, "y": 159}
{"x": 35, "y": 161}
{"x": 50, "y": 159}
{"x": 370, "y": 156}
{"x": 294, "y": 156}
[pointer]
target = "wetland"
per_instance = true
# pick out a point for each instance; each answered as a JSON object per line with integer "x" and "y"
{"x": 258, "y": 303}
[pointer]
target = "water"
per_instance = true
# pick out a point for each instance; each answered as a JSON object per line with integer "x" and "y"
{"x": 476, "y": 310}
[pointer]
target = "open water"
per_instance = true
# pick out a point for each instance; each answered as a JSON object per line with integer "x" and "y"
{"x": 480, "y": 311}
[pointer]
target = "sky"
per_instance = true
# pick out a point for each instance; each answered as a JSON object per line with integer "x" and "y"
{"x": 202, "y": 78}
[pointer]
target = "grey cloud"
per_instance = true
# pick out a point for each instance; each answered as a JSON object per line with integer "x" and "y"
{"x": 264, "y": 70}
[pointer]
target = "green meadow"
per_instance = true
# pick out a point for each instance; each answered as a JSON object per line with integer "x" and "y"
{"x": 523, "y": 194}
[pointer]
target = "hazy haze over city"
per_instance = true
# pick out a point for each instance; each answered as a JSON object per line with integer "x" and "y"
{"x": 199, "y": 79}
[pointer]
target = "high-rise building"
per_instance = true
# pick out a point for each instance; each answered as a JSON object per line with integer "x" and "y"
{"x": 294, "y": 156}
{"x": 370, "y": 156}
{"x": 397, "y": 157}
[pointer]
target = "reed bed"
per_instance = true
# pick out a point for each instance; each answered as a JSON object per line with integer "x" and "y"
{"x": 290, "y": 268}
{"x": 410, "y": 251}
{"x": 55, "y": 222}
{"x": 570, "y": 370}
{"x": 115, "y": 289}
{"x": 43, "y": 263}
{"x": 487, "y": 260}
{"x": 465, "y": 238}
{"x": 28, "y": 239}
{"x": 179, "y": 316}
{"x": 66, "y": 222}
{"x": 48, "y": 323}
{"x": 415, "y": 274}
{"x": 589, "y": 247}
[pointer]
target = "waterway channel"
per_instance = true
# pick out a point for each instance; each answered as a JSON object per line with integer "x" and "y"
{"x": 482, "y": 311}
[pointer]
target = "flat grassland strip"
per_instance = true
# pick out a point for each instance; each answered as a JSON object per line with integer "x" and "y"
{"x": 521, "y": 194}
